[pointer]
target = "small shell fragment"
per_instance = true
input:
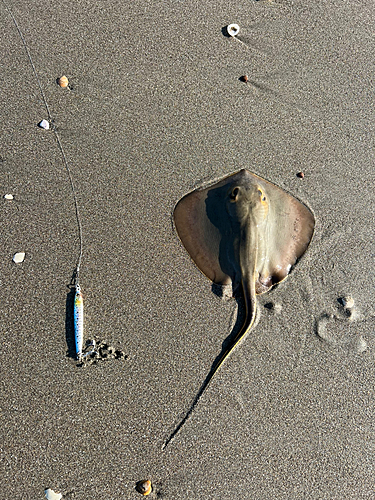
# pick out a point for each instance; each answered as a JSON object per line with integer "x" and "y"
{"x": 8, "y": 196}
{"x": 361, "y": 345}
{"x": 144, "y": 487}
{"x": 19, "y": 257}
{"x": 63, "y": 81}
{"x": 233, "y": 29}
{"x": 51, "y": 495}
{"x": 44, "y": 124}
{"x": 244, "y": 78}
{"x": 347, "y": 302}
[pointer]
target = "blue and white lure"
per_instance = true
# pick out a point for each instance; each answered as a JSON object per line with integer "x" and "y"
{"x": 78, "y": 301}
{"x": 78, "y": 322}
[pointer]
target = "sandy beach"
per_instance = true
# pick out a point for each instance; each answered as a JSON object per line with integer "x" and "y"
{"x": 156, "y": 108}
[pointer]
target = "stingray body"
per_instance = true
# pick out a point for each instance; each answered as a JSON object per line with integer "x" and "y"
{"x": 243, "y": 231}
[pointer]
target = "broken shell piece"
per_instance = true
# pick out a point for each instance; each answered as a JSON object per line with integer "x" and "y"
{"x": 8, "y": 196}
{"x": 63, "y": 81}
{"x": 233, "y": 29}
{"x": 44, "y": 124}
{"x": 51, "y": 495}
{"x": 347, "y": 302}
{"x": 361, "y": 345}
{"x": 19, "y": 257}
{"x": 278, "y": 308}
{"x": 144, "y": 487}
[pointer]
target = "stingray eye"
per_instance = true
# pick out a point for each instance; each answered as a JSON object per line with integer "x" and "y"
{"x": 234, "y": 193}
{"x": 262, "y": 196}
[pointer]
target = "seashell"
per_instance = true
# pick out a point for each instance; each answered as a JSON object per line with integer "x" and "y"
{"x": 8, "y": 196}
{"x": 63, "y": 81}
{"x": 44, "y": 124}
{"x": 51, "y": 495}
{"x": 347, "y": 302}
{"x": 244, "y": 78}
{"x": 233, "y": 29}
{"x": 361, "y": 345}
{"x": 19, "y": 257}
{"x": 144, "y": 487}
{"x": 301, "y": 175}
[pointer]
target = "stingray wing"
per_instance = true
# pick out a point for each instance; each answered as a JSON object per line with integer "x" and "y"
{"x": 289, "y": 231}
{"x": 201, "y": 238}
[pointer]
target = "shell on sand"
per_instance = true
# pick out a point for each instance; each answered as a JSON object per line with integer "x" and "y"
{"x": 19, "y": 257}
{"x": 144, "y": 487}
{"x": 348, "y": 302}
{"x": 51, "y": 495}
{"x": 63, "y": 82}
{"x": 8, "y": 196}
{"x": 233, "y": 29}
{"x": 44, "y": 124}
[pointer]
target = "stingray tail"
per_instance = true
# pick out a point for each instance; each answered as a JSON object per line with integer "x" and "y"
{"x": 248, "y": 286}
{"x": 250, "y": 304}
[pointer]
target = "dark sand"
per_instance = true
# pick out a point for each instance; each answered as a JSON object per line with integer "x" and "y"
{"x": 156, "y": 109}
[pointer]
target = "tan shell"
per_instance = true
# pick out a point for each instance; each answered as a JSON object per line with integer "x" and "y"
{"x": 144, "y": 487}
{"x": 63, "y": 82}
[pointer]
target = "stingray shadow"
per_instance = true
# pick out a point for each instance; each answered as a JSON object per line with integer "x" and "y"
{"x": 217, "y": 214}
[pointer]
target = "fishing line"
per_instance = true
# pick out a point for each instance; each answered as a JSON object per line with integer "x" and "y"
{"x": 78, "y": 301}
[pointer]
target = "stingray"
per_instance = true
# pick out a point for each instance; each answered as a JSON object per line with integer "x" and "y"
{"x": 246, "y": 232}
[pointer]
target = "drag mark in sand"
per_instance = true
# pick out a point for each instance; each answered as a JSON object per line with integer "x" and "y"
{"x": 246, "y": 232}
{"x": 232, "y": 31}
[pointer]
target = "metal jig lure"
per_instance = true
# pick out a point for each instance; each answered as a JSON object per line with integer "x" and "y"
{"x": 78, "y": 302}
{"x": 78, "y": 321}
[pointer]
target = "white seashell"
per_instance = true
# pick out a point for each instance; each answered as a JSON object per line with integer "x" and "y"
{"x": 278, "y": 308}
{"x": 51, "y": 495}
{"x": 348, "y": 302}
{"x": 44, "y": 124}
{"x": 361, "y": 345}
{"x": 233, "y": 29}
{"x": 8, "y": 196}
{"x": 19, "y": 257}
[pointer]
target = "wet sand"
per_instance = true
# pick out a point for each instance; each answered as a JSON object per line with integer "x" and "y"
{"x": 156, "y": 108}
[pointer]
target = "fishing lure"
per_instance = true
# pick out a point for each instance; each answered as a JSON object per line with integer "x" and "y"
{"x": 45, "y": 124}
{"x": 78, "y": 321}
